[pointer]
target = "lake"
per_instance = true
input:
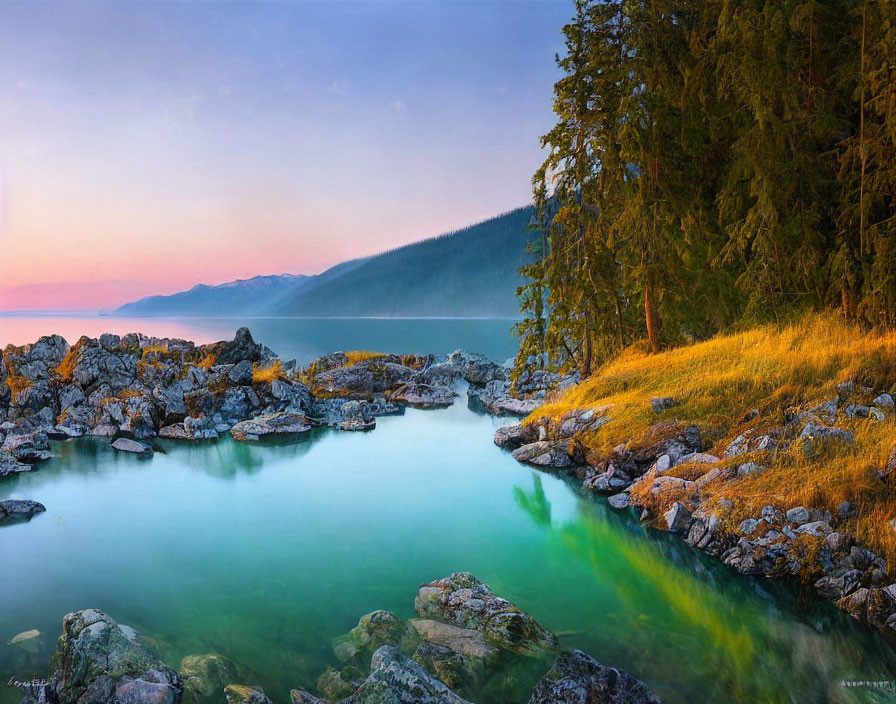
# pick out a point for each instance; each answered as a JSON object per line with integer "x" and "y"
{"x": 266, "y": 552}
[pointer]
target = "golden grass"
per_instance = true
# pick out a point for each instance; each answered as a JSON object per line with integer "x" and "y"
{"x": 356, "y": 356}
{"x": 66, "y": 367}
{"x": 207, "y": 361}
{"x": 17, "y": 384}
{"x": 773, "y": 370}
{"x": 268, "y": 374}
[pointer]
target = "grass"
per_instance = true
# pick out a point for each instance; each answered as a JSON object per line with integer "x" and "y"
{"x": 776, "y": 371}
{"x": 66, "y": 367}
{"x": 356, "y": 356}
{"x": 17, "y": 384}
{"x": 207, "y": 361}
{"x": 268, "y": 374}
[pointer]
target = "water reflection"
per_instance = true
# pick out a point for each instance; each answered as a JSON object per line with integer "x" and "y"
{"x": 678, "y": 610}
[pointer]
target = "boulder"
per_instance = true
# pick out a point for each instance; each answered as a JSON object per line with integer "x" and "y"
{"x": 545, "y": 453}
{"x": 620, "y": 501}
{"x": 396, "y": 679}
{"x": 420, "y": 395}
{"x": 465, "y": 641}
{"x": 447, "y": 665}
{"x": 12, "y": 510}
{"x": 245, "y": 694}
{"x": 577, "y": 678}
{"x": 815, "y": 435}
{"x": 11, "y": 465}
{"x": 100, "y": 662}
{"x": 240, "y": 373}
{"x": 887, "y": 470}
{"x": 373, "y": 631}
{"x": 799, "y": 515}
{"x": 462, "y": 600}
{"x": 513, "y": 436}
{"x": 663, "y": 403}
{"x": 133, "y": 446}
{"x": 241, "y": 348}
{"x": 338, "y": 684}
{"x": 282, "y": 423}
{"x": 678, "y": 518}
{"x": 357, "y": 415}
{"x": 205, "y": 676}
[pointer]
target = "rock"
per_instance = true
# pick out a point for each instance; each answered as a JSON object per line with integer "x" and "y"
{"x": 357, "y": 416}
{"x": 678, "y": 518}
{"x": 445, "y": 664}
{"x": 12, "y": 510}
{"x": 748, "y": 442}
{"x": 205, "y": 676}
{"x": 836, "y": 587}
{"x": 423, "y": 395}
{"x": 698, "y": 458}
{"x": 799, "y": 515}
{"x": 300, "y": 696}
{"x": 242, "y": 348}
{"x": 462, "y": 600}
{"x": 814, "y": 436}
{"x": 513, "y": 436}
{"x": 396, "y": 679}
{"x": 872, "y": 605}
{"x": 99, "y": 662}
{"x": 10, "y": 465}
{"x": 888, "y": 469}
{"x": 373, "y": 631}
{"x": 282, "y": 423}
{"x": 816, "y": 528}
{"x": 620, "y": 501}
{"x": 335, "y": 684}
{"x": 884, "y": 401}
{"x": 497, "y": 398}
{"x": 132, "y": 446}
{"x": 856, "y": 411}
{"x": 749, "y": 469}
{"x": 30, "y": 641}
{"x": 663, "y": 403}
{"x": 748, "y": 526}
{"x": 241, "y": 373}
{"x": 464, "y": 641}
{"x": 846, "y": 509}
{"x": 577, "y": 678}
{"x": 244, "y": 694}
{"x": 544, "y": 453}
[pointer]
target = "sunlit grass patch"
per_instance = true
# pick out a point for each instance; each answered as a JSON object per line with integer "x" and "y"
{"x": 268, "y": 374}
{"x": 775, "y": 371}
{"x": 356, "y": 356}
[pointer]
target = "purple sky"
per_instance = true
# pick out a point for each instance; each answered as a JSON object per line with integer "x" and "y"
{"x": 149, "y": 146}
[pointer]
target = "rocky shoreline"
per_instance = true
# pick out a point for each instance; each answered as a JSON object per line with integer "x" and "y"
{"x": 464, "y": 637}
{"x": 797, "y": 543}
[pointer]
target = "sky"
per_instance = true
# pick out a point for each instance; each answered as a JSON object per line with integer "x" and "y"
{"x": 146, "y": 147}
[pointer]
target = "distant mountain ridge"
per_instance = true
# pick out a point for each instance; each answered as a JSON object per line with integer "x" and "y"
{"x": 469, "y": 272}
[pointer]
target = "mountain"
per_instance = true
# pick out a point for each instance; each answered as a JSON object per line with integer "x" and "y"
{"x": 470, "y": 272}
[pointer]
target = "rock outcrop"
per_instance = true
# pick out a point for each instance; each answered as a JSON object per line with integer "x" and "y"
{"x": 577, "y": 678}
{"x": 12, "y": 510}
{"x": 98, "y": 661}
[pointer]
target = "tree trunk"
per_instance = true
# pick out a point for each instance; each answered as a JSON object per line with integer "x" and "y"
{"x": 653, "y": 320}
{"x": 586, "y": 361}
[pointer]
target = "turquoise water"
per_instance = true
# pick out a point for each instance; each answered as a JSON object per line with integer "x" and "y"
{"x": 266, "y": 552}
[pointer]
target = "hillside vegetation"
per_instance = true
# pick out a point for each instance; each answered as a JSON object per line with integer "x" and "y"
{"x": 779, "y": 372}
{"x": 470, "y": 272}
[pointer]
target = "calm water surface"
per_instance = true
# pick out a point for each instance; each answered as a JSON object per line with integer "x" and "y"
{"x": 266, "y": 552}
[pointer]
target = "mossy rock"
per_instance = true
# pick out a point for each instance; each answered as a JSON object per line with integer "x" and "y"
{"x": 374, "y": 630}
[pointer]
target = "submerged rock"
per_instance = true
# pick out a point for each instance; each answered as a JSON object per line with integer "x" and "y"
{"x": 577, "y": 678}
{"x": 205, "y": 676}
{"x": 244, "y": 694}
{"x": 373, "y": 631}
{"x": 100, "y": 662}
{"x": 545, "y": 453}
{"x": 396, "y": 679}
{"x": 30, "y": 641}
{"x": 12, "y": 510}
{"x": 462, "y": 600}
{"x": 132, "y": 446}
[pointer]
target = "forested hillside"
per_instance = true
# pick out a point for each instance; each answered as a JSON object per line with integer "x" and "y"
{"x": 714, "y": 164}
{"x": 471, "y": 272}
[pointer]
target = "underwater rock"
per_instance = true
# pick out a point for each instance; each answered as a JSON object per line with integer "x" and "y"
{"x": 577, "y": 678}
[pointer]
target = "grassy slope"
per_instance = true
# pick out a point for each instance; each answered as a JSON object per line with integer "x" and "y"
{"x": 773, "y": 370}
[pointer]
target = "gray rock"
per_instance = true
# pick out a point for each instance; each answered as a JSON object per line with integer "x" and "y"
{"x": 132, "y": 446}
{"x": 356, "y": 416}
{"x": 544, "y": 453}
{"x": 423, "y": 395}
{"x": 798, "y": 515}
{"x": 373, "y": 631}
{"x": 856, "y": 411}
{"x": 462, "y": 600}
{"x": 577, "y": 678}
{"x": 816, "y": 528}
{"x": 885, "y": 401}
{"x": 748, "y": 526}
{"x": 465, "y": 641}
{"x": 205, "y": 676}
{"x": 620, "y": 501}
{"x": 99, "y": 662}
{"x": 887, "y": 470}
{"x": 396, "y": 679}
{"x": 245, "y": 694}
{"x": 749, "y": 469}
{"x": 241, "y": 373}
{"x": 814, "y": 435}
{"x": 513, "y": 436}
{"x": 11, "y": 465}
{"x": 663, "y": 403}
{"x": 876, "y": 414}
{"x": 282, "y": 423}
{"x": 12, "y": 510}
{"x": 678, "y": 518}
{"x": 445, "y": 664}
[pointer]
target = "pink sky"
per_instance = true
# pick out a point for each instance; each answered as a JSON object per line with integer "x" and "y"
{"x": 148, "y": 147}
